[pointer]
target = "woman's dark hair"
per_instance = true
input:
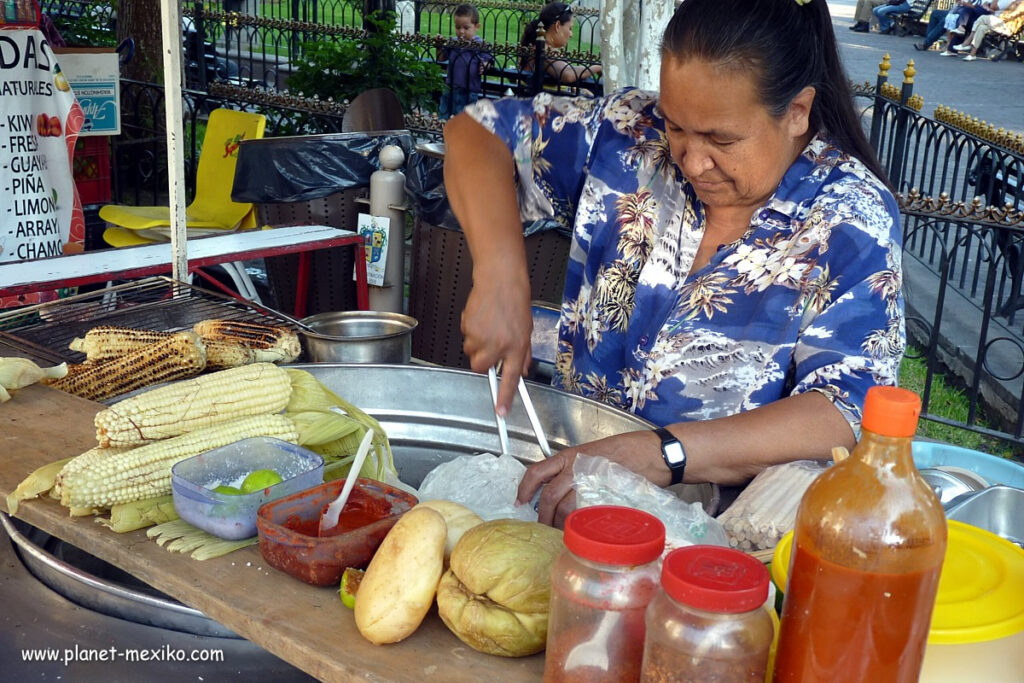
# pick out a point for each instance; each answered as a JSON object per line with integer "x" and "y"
{"x": 787, "y": 46}
{"x": 551, "y": 13}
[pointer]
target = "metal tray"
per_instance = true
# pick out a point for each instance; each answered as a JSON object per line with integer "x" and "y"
{"x": 433, "y": 414}
{"x": 43, "y": 332}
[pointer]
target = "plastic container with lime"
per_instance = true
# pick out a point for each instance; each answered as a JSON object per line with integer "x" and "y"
{"x": 260, "y": 469}
{"x": 977, "y": 627}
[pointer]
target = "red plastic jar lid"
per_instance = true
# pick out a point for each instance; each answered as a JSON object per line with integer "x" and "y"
{"x": 715, "y": 579}
{"x": 611, "y": 534}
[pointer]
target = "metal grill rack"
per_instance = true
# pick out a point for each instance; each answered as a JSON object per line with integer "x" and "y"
{"x": 43, "y": 332}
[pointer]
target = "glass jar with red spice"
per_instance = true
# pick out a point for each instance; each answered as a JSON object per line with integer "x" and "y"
{"x": 601, "y": 585}
{"x": 709, "y": 622}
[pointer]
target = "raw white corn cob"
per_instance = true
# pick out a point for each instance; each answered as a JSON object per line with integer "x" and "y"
{"x": 145, "y": 472}
{"x": 81, "y": 462}
{"x": 270, "y": 343}
{"x": 163, "y": 412}
{"x": 180, "y": 355}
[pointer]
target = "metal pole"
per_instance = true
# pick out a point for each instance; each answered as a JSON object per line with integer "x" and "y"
{"x": 879, "y": 113}
{"x": 537, "y": 82}
{"x": 903, "y": 114}
{"x": 170, "y": 32}
{"x": 387, "y": 198}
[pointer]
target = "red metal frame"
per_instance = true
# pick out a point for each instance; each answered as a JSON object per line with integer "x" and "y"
{"x": 302, "y": 285}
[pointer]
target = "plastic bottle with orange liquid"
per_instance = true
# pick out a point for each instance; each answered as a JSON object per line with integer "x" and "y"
{"x": 868, "y": 548}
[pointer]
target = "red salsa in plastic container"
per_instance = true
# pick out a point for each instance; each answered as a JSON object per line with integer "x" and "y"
{"x": 288, "y": 529}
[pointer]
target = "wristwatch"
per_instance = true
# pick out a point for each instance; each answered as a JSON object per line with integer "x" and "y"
{"x": 673, "y": 452}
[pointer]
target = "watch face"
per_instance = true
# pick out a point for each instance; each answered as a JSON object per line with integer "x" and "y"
{"x": 674, "y": 453}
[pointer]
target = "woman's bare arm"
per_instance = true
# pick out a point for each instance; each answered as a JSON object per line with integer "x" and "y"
{"x": 729, "y": 450}
{"x": 479, "y": 177}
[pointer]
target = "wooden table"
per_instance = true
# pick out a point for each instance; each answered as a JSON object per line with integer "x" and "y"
{"x": 304, "y": 625}
{"x": 126, "y": 263}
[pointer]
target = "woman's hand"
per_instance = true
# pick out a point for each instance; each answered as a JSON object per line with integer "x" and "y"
{"x": 636, "y": 451}
{"x": 496, "y": 326}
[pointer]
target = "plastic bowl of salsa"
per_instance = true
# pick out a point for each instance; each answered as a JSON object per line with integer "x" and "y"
{"x": 288, "y": 529}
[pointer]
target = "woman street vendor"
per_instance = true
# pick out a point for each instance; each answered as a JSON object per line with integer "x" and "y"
{"x": 734, "y": 272}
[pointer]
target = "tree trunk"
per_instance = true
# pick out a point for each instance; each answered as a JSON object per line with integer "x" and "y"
{"x": 140, "y": 20}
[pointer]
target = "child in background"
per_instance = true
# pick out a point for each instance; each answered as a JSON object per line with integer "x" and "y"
{"x": 465, "y": 65}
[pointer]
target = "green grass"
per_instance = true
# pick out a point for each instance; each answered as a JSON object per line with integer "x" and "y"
{"x": 947, "y": 401}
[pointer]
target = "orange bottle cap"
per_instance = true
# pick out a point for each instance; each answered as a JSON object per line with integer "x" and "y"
{"x": 891, "y": 411}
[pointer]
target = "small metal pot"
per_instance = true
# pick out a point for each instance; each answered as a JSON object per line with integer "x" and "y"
{"x": 358, "y": 337}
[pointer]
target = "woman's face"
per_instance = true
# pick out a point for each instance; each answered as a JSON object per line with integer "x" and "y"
{"x": 726, "y": 142}
{"x": 558, "y": 35}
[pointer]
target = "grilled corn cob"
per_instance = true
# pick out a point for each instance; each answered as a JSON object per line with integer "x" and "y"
{"x": 270, "y": 343}
{"x": 145, "y": 472}
{"x": 223, "y": 354}
{"x": 108, "y": 342}
{"x": 255, "y": 389}
{"x": 180, "y": 355}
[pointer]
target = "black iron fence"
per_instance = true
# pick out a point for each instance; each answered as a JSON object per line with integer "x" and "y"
{"x": 264, "y": 51}
{"x": 962, "y": 198}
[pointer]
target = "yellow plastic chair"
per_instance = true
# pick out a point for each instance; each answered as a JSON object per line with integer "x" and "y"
{"x": 212, "y": 209}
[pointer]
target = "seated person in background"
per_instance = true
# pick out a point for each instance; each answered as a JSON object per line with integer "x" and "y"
{"x": 884, "y": 13}
{"x": 1007, "y": 22}
{"x": 734, "y": 275}
{"x": 954, "y": 28}
{"x": 555, "y": 24}
{"x": 961, "y": 18}
{"x": 936, "y": 27}
{"x": 862, "y": 14}
{"x": 465, "y": 65}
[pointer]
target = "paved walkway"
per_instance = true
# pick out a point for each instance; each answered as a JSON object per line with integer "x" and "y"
{"x": 992, "y": 91}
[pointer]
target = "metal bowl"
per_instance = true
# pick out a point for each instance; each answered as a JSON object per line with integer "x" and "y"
{"x": 433, "y": 415}
{"x": 948, "y": 485}
{"x": 999, "y": 509}
{"x": 358, "y": 337}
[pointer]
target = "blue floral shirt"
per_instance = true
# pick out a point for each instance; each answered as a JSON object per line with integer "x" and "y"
{"x": 807, "y": 300}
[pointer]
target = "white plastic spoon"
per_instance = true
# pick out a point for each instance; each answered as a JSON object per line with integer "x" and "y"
{"x": 329, "y": 518}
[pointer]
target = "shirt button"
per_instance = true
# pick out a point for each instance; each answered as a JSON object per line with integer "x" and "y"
{"x": 643, "y": 340}
{"x": 764, "y": 215}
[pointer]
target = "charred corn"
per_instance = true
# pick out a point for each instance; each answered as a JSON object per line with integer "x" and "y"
{"x": 222, "y": 354}
{"x": 145, "y": 472}
{"x": 270, "y": 343}
{"x": 163, "y": 412}
{"x": 180, "y": 355}
{"x": 108, "y": 342}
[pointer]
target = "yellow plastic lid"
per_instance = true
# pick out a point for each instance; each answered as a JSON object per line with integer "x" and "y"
{"x": 981, "y": 589}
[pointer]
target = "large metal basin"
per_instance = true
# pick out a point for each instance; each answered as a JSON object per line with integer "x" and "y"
{"x": 433, "y": 415}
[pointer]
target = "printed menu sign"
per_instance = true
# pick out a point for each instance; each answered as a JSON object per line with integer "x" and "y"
{"x": 39, "y": 122}
{"x": 95, "y": 80}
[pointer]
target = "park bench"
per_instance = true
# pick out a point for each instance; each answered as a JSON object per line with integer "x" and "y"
{"x": 912, "y": 22}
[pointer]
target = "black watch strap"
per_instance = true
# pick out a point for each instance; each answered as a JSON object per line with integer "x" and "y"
{"x": 673, "y": 452}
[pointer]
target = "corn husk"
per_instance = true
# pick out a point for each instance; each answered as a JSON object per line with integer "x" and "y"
{"x": 333, "y": 427}
{"x": 18, "y": 373}
{"x": 140, "y": 514}
{"x": 178, "y": 536}
{"x": 39, "y": 482}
